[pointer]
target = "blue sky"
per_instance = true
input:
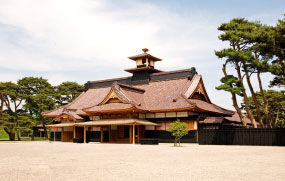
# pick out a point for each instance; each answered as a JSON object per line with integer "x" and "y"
{"x": 82, "y": 40}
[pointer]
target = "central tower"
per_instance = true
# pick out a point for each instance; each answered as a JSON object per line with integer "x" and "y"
{"x": 145, "y": 65}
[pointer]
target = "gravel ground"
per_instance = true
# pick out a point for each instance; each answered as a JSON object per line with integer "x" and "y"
{"x": 69, "y": 161}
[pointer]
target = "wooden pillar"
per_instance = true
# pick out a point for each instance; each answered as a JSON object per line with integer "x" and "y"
{"x": 109, "y": 133}
{"x": 134, "y": 135}
{"x": 130, "y": 134}
{"x": 62, "y": 134}
{"x": 54, "y": 134}
{"x": 74, "y": 132}
{"x": 40, "y": 134}
{"x": 102, "y": 135}
{"x": 84, "y": 134}
{"x": 138, "y": 133}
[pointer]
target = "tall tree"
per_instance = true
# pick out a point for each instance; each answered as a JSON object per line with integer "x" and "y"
{"x": 66, "y": 92}
{"x": 262, "y": 43}
{"x": 39, "y": 97}
{"x": 13, "y": 119}
{"x": 238, "y": 32}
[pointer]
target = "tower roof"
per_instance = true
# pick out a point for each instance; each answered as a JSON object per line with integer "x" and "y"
{"x": 144, "y": 55}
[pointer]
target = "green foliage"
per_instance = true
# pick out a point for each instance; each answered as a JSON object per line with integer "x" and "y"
{"x": 278, "y": 54}
{"x": 39, "y": 95}
{"x": 238, "y": 31}
{"x": 276, "y": 106}
{"x": 23, "y": 103}
{"x": 254, "y": 48}
{"x": 231, "y": 84}
{"x": 178, "y": 130}
{"x": 12, "y": 96}
{"x": 66, "y": 92}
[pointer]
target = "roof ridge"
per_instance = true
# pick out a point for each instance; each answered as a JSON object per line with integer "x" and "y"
{"x": 131, "y": 87}
{"x": 108, "y": 80}
{"x": 153, "y": 74}
{"x": 173, "y": 71}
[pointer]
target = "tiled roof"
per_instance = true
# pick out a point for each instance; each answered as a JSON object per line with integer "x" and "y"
{"x": 108, "y": 107}
{"x": 213, "y": 120}
{"x": 218, "y": 120}
{"x": 144, "y": 55}
{"x": 156, "y": 96}
{"x": 235, "y": 118}
{"x": 125, "y": 121}
{"x": 209, "y": 107}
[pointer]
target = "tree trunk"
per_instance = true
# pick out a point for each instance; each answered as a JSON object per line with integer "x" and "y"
{"x": 11, "y": 134}
{"x": 44, "y": 125}
{"x": 1, "y": 106}
{"x": 234, "y": 99}
{"x": 253, "y": 95}
{"x": 33, "y": 137}
{"x": 245, "y": 98}
{"x": 18, "y": 135}
{"x": 175, "y": 141}
{"x": 266, "y": 112}
{"x": 179, "y": 142}
{"x": 277, "y": 117}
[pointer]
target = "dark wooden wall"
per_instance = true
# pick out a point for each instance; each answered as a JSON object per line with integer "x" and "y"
{"x": 241, "y": 136}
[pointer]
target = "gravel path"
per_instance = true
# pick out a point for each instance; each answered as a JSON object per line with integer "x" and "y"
{"x": 69, "y": 161}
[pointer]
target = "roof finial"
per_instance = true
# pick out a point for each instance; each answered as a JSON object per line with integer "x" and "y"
{"x": 145, "y": 50}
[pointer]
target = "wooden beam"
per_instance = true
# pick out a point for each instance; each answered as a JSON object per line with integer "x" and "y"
{"x": 84, "y": 134}
{"x": 102, "y": 135}
{"x": 134, "y": 134}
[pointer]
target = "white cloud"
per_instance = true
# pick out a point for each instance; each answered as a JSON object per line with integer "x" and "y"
{"x": 95, "y": 38}
{"x": 89, "y": 30}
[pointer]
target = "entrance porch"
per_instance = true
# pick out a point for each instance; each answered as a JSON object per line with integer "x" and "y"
{"x": 105, "y": 131}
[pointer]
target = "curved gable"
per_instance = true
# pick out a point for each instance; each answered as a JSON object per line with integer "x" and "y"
{"x": 196, "y": 90}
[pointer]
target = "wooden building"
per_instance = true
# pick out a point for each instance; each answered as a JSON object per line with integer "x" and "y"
{"x": 127, "y": 109}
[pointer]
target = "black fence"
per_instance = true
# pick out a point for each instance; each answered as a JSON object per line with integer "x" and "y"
{"x": 241, "y": 136}
{"x": 166, "y": 137}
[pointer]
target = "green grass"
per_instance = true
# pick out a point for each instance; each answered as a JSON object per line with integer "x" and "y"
{"x": 35, "y": 138}
{"x": 5, "y": 136}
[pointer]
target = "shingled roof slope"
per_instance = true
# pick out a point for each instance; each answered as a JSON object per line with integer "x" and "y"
{"x": 158, "y": 95}
{"x": 235, "y": 118}
{"x": 109, "y": 107}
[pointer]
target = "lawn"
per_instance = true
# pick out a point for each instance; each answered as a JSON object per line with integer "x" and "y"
{"x": 4, "y": 136}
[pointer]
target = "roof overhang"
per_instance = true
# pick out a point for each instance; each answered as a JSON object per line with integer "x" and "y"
{"x": 67, "y": 116}
{"x": 105, "y": 122}
{"x": 61, "y": 125}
